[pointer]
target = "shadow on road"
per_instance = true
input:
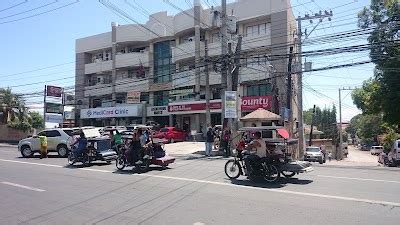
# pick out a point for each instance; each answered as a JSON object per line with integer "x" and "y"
{"x": 130, "y": 170}
{"x": 260, "y": 183}
{"x": 80, "y": 165}
{"x": 38, "y": 157}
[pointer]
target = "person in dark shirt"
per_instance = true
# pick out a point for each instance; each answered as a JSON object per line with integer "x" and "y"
{"x": 209, "y": 141}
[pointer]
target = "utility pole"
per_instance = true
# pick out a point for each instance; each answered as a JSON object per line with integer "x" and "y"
{"x": 235, "y": 78}
{"x": 312, "y": 125}
{"x": 45, "y": 107}
{"x": 299, "y": 71}
{"x": 339, "y": 154}
{"x": 208, "y": 113}
{"x": 113, "y": 70}
{"x": 224, "y": 51}
{"x": 229, "y": 78}
{"x": 289, "y": 90}
{"x": 197, "y": 58}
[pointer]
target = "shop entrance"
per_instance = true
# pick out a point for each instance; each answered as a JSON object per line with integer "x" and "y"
{"x": 186, "y": 124}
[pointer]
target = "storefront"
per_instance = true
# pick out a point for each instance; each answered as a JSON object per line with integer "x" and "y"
{"x": 250, "y": 103}
{"x": 158, "y": 114}
{"x": 191, "y": 115}
{"x": 124, "y": 115}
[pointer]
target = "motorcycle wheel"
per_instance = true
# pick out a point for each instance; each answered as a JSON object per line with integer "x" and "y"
{"x": 144, "y": 167}
{"x": 85, "y": 161}
{"x": 288, "y": 174}
{"x": 120, "y": 163}
{"x": 271, "y": 173}
{"x": 232, "y": 169}
{"x": 71, "y": 159}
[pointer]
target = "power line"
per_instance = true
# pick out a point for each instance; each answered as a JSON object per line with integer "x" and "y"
{"x": 30, "y": 10}
{"x": 13, "y": 6}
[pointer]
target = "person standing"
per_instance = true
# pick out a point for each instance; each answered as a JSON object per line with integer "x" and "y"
{"x": 43, "y": 146}
{"x": 330, "y": 156}
{"x": 209, "y": 141}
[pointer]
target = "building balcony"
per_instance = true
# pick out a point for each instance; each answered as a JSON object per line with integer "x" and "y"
{"x": 132, "y": 59}
{"x": 185, "y": 79}
{"x": 253, "y": 42}
{"x": 98, "y": 90}
{"x": 253, "y": 73}
{"x": 214, "y": 49}
{"x": 98, "y": 67}
{"x": 122, "y": 85}
{"x": 186, "y": 51}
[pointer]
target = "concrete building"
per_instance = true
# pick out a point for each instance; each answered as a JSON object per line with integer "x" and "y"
{"x": 151, "y": 74}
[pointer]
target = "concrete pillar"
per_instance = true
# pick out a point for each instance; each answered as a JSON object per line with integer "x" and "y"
{"x": 171, "y": 120}
{"x": 144, "y": 112}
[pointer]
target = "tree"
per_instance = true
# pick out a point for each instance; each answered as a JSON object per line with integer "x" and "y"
{"x": 13, "y": 110}
{"x": 381, "y": 94}
{"x": 36, "y": 120}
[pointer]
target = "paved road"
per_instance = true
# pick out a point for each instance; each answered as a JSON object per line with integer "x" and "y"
{"x": 193, "y": 191}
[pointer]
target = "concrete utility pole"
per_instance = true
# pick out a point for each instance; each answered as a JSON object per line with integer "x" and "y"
{"x": 235, "y": 78}
{"x": 339, "y": 154}
{"x": 113, "y": 69}
{"x": 229, "y": 78}
{"x": 224, "y": 51}
{"x": 299, "y": 71}
{"x": 312, "y": 125}
{"x": 197, "y": 34}
{"x": 208, "y": 113}
{"x": 289, "y": 90}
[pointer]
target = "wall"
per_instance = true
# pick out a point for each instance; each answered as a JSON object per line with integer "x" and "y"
{"x": 11, "y": 135}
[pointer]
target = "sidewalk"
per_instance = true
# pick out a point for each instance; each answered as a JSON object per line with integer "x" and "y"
{"x": 8, "y": 145}
{"x": 188, "y": 148}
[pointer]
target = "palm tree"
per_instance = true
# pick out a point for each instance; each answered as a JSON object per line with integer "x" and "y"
{"x": 12, "y": 106}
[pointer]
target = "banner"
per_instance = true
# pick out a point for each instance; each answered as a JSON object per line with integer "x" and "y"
{"x": 157, "y": 111}
{"x": 256, "y": 102}
{"x": 54, "y": 91}
{"x": 193, "y": 106}
{"x": 230, "y": 104}
{"x": 53, "y": 108}
{"x": 54, "y": 118}
{"x": 133, "y": 97}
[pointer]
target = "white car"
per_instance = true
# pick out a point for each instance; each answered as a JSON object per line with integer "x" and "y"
{"x": 376, "y": 150}
{"x": 314, "y": 154}
{"x": 394, "y": 154}
{"x": 57, "y": 141}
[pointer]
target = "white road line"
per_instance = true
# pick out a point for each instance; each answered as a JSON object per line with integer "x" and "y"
{"x": 362, "y": 179}
{"x": 22, "y": 186}
{"x": 396, "y": 204}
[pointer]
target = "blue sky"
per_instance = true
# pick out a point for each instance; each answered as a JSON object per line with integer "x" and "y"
{"x": 49, "y": 39}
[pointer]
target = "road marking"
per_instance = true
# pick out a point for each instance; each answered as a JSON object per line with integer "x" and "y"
{"x": 386, "y": 203}
{"x": 363, "y": 179}
{"x": 22, "y": 186}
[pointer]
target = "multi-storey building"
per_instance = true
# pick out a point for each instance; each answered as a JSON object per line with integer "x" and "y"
{"x": 151, "y": 74}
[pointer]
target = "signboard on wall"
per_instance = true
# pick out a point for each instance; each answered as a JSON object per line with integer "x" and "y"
{"x": 230, "y": 104}
{"x": 54, "y": 118}
{"x": 256, "y": 102}
{"x": 133, "y": 97}
{"x": 193, "y": 106}
{"x": 110, "y": 112}
{"x": 53, "y": 107}
{"x": 157, "y": 111}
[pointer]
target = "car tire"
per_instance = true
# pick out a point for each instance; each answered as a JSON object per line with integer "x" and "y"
{"x": 26, "y": 151}
{"x": 62, "y": 150}
{"x": 321, "y": 161}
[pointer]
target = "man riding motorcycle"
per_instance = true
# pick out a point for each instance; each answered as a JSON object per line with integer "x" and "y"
{"x": 251, "y": 161}
{"x": 82, "y": 145}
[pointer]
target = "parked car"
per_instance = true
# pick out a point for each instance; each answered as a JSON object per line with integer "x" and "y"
{"x": 376, "y": 150}
{"x": 365, "y": 147}
{"x": 314, "y": 154}
{"x": 394, "y": 154}
{"x": 57, "y": 141}
{"x": 170, "y": 134}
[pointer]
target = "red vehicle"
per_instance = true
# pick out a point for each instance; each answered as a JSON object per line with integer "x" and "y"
{"x": 170, "y": 135}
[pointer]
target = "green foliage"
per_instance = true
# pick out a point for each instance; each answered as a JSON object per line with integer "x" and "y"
{"x": 324, "y": 120}
{"x": 381, "y": 94}
{"x": 36, "y": 120}
{"x": 389, "y": 138}
{"x": 24, "y": 125}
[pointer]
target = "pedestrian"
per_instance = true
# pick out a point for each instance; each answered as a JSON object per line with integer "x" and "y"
{"x": 226, "y": 136}
{"x": 209, "y": 141}
{"x": 330, "y": 156}
{"x": 43, "y": 146}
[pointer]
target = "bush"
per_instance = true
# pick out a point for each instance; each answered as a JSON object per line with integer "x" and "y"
{"x": 24, "y": 125}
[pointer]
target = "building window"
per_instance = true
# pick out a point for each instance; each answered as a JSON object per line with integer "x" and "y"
{"x": 259, "y": 90}
{"x": 215, "y": 37}
{"x": 161, "y": 98}
{"x": 121, "y": 98}
{"x": 163, "y": 67}
{"x": 259, "y": 29}
{"x": 144, "y": 97}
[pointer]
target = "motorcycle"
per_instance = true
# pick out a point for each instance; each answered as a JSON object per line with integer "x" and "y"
{"x": 141, "y": 166}
{"x": 266, "y": 170}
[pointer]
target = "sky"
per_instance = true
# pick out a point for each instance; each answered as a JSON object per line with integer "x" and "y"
{"x": 48, "y": 41}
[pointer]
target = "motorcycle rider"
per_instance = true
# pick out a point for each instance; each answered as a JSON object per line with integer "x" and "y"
{"x": 260, "y": 147}
{"x": 82, "y": 144}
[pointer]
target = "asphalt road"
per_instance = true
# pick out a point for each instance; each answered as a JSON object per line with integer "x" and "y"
{"x": 193, "y": 191}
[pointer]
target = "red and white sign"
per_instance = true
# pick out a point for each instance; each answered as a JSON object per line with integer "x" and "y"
{"x": 256, "y": 102}
{"x": 54, "y": 91}
{"x": 193, "y": 106}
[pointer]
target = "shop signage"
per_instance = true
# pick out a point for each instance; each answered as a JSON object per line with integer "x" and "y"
{"x": 255, "y": 102}
{"x": 54, "y": 118}
{"x": 110, "y": 112}
{"x": 193, "y": 106}
{"x": 133, "y": 97}
{"x": 53, "y": 107}
{"x": 230, "y": 104}
{"x": 53, "y": 91}
{"x": 157, "y": 111}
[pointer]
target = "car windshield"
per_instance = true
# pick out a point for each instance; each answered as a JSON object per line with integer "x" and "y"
{"x": 316, "y": 149}
{"x": 164, "y": 130}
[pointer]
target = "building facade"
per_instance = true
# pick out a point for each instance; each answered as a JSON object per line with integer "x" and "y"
{"x": 136, "y": 73}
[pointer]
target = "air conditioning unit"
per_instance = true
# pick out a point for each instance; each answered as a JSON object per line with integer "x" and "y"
{"x": 107, "y": 57}
{"x": 142, "y": 51}
{"x": 100, "y": 80}
{"x": 190, "y": 39}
